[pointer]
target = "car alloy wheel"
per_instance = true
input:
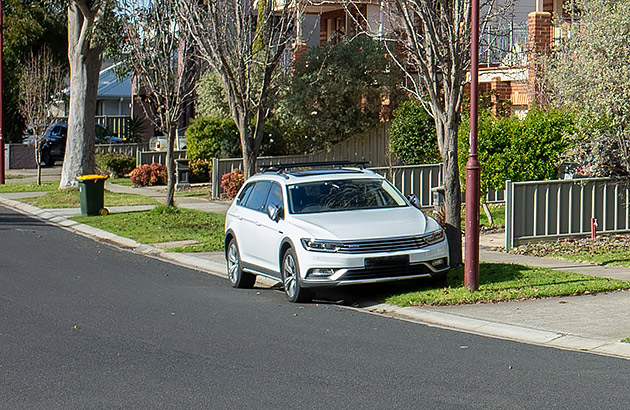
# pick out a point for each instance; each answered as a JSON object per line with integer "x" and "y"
{"x": 238, "y": 278}
{"x": 291, "y": 278}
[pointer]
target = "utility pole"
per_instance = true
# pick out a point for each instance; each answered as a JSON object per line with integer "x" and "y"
{"x": 2, "y": 157}
{"x": 473, "y": 168}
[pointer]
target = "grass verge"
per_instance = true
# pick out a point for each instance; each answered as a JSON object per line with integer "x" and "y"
{"x": 69, "y": 198}
{"x": 501, "y": 282}
{"x": 604, "y": 250}
{"x": 29, "y": 187}
{"x": 165, "y": 225}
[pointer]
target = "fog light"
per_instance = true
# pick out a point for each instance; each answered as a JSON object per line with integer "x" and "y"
{"x": 438, "y": 262}
{"x": 322, "y": 272}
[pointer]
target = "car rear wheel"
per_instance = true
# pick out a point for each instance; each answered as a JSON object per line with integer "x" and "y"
{"x": 291, "y": 278}
{"x": 238, "y": 278}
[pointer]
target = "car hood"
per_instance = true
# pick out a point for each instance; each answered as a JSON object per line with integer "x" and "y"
{"x": 364, "y": 224}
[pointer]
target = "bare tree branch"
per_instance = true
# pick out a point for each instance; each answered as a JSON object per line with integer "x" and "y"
{"x": 160, "y": 55}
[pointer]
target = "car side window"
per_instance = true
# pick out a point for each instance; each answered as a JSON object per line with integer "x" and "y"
{"x": 275, "y": 196}
{"x": 242, "y": 198}
{"x": 258, "y": 196}
{"x": 56, "y": 132}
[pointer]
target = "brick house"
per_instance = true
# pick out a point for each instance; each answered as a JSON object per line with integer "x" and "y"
{"x": 507, "y": 71}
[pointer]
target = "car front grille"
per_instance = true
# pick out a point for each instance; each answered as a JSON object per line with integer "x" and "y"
{"x": 386, "y": 272}
{"x": 383, "y": 245}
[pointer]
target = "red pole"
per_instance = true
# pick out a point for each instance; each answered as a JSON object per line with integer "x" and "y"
{"x": 2, "y": 164}
{"x": 471, "y": 261}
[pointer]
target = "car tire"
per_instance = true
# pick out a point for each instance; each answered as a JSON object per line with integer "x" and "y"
{"x": 237, "y": 277}
{"x": 291, "y": 278}
{"x": 46, "y": 158}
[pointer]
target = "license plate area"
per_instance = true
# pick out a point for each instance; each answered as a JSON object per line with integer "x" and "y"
{"x": 387, "y": 261}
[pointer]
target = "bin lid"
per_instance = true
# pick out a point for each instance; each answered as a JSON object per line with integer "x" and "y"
{"x": 91, "y": 177}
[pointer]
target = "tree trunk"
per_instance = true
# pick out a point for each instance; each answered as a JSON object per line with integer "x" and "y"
{"x": 486, "y": 210}
{"x": 38, "y": 159}
{"x": 453, "y": 195}
{"x": 250, "y": 144}
{"x": 170, "y": 169}
{"x": 85, "y": 64}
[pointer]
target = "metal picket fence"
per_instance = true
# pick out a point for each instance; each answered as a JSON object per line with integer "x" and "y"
{"x": 540, "y": 210}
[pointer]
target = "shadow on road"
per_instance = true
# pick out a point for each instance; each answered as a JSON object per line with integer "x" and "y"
{"x": 11, "y": 220}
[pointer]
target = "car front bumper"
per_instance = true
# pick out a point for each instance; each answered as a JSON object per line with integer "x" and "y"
{"x": 322, "y": 269}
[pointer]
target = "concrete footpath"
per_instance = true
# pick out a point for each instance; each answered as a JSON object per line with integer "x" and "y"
{"x": 590, "y": 323}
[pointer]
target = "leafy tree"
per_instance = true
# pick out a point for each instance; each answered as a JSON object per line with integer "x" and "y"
{"x": 589, "y": 73}
{"x": 336, "y": 91}
{"x": 211, "y": 99}
{"x": 28, "y": 27}
{"x": 412, "y": 135}
{"x": 208, "y": 138}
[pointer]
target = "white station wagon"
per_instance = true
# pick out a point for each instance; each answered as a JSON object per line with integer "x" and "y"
{"x": 328, "y": 226}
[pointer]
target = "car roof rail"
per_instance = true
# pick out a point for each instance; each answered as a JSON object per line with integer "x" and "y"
{"x": 279, "y": 168}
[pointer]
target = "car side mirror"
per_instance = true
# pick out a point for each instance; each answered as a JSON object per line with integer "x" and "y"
{"x": 414, "y": 201}
{"x": 275, "y": 212}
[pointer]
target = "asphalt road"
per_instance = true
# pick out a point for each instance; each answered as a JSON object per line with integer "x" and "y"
{"x": 87, "y": 326}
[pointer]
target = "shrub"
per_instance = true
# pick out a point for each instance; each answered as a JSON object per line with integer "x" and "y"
{"x": 148, "y": 175}
{"x": 114, "y": 164}
{"x": 412, "y": 135}
{"x": 232, "y": 182}
{"x": 511, "y": 149}
{"x": 208, "y": 138}
{"x": 200, "y": 170}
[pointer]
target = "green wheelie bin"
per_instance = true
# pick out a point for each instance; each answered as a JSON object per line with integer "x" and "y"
{"x": 91, "y": 194}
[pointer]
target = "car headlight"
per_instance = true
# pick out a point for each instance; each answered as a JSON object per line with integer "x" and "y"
{"x": 317, "y": 245}
{"x": 435, "y": 237}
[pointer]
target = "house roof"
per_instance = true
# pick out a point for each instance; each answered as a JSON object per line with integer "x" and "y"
{"x": 110, "y": 86}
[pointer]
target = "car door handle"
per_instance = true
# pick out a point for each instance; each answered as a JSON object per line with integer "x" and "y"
{"x": 258, "y": 224}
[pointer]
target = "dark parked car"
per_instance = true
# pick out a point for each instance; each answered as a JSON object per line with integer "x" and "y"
{"x": 54, "y": 144}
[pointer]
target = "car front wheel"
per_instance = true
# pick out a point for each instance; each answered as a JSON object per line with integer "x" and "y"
{"x": 238, "y": 278}
{"x": 291, "y": 278}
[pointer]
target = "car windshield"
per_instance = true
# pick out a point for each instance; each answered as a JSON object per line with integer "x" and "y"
{"x": 343, "y": 195}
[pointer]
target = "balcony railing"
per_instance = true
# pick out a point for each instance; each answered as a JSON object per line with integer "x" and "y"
{"x": 503, "y": 46}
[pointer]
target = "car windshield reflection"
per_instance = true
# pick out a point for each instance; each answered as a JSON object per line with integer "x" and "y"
{"x": 343, "y": 195}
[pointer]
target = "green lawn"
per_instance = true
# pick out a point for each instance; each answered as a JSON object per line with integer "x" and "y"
{"x": 29, "y": 187}
{"x": 165, "y": 225}
{"x": 120, "y": 181}
{"x": 502, "y": 282}
{"x": 69, "y": 198}
{"x": 497, "y": 212}
{"x": 604, "y": 250}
